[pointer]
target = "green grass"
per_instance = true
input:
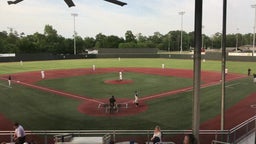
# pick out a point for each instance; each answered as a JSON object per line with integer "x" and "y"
{"x": 94, "y": 86}
{"x": 38, "y": 110}
{"x": 235, "y": 67}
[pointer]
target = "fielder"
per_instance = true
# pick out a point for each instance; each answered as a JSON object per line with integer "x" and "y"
{"x": 254, "y": 78}
{"x": 9, "y": 81}
{"x": 136, "y": 99}
{"x": 120, "y": 76}
{"x": 163, "y": 66}
{"x": 42, "y": 74}
{"x": 21, "y": 63}
{"x": 93, "y": 67}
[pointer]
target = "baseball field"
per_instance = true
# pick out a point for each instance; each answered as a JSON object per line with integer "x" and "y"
{"x": 72, "y": 94}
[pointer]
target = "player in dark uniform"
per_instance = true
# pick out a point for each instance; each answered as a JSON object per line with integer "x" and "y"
{"x": 249, "y": 71}
{"x": 112, "y": 102}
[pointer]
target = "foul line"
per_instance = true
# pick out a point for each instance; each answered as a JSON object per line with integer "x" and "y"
{"x": 58, "y": 92}
{"x": 5, "y": 86}
{"x": 230, "y": 86}
{"x": 185, "y": 89}
{"x": 145, "y": 98}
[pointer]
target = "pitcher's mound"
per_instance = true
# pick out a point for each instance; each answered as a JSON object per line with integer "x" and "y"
{"x": 126, "y": 81}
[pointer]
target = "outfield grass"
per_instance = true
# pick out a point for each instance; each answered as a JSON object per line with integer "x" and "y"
{"x": 15, "y": 67}
{"x": 40, "y": 110}
{"x": 94, "y": 86}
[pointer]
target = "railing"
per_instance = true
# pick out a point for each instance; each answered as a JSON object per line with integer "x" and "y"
{"x": 219, "y": 142}
{"x": 233, "y": 135}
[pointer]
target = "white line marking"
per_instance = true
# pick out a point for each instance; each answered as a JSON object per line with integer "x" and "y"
{"x": 5, "y": 85}
{"x": 230, "y": 86}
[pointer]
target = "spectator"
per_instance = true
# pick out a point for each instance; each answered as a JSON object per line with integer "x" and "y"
{"x": 19, "y": 134}
{"x": 157, "y": 137}
{"x": 189, "y": 139}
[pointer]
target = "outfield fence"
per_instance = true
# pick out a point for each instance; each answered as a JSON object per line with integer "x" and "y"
{"x": 231, "y": 136}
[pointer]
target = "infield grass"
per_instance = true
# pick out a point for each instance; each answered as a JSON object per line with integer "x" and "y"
{"x": 93, "y": 85}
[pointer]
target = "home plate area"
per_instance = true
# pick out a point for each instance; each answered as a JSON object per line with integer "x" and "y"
{"x": 113, "y": 109}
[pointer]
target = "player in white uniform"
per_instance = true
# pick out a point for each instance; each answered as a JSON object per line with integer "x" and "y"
{"x": 9, "y": 81}
{"x": 42, "y": 74}
{"x": 93, "y": 67}
{"x": 136, "y": 99}
{"x": 120, "y": 76}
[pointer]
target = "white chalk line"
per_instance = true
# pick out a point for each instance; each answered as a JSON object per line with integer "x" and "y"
{"x": 58, "y": 92}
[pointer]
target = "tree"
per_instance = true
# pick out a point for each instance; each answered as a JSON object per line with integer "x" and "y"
{"x": 129, "y": 37}
{"x": 89, "y": 42}
{"x": 100, "y": 40}
{"x": 49, "y": 31}
{"x": 113, "y": 41}
{"x": 141, "y": 38}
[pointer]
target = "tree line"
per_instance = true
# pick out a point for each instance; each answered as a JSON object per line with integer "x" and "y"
{"x": 51, "y": 42}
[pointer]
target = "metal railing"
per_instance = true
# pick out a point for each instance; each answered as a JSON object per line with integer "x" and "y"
{"x": 233, "y": 135}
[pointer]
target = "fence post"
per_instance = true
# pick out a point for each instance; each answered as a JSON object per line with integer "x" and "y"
{"x": 228, "y": 135}
{"x": 234, "y": 136}
{"x": 114, "y": 136}
{"x": 216, "y": 135}
{"x": 148, "y": 137}
{"x": 11, "y": 137}
{"x": 45, "y": 138}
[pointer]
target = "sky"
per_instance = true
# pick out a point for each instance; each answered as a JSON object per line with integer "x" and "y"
{"x": 139, "y": 16}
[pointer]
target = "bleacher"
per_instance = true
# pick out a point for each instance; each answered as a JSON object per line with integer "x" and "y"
{"x": 243, "y": 133}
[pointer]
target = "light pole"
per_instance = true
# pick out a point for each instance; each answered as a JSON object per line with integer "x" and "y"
{"x": 202, "y": 37}
{"x": 181, "y": 30}
{"x": 74, "y": 15}
{"x": 237, "y": 39}
{"x": 169, "y": 41}
{"x": 253, "y": 43}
